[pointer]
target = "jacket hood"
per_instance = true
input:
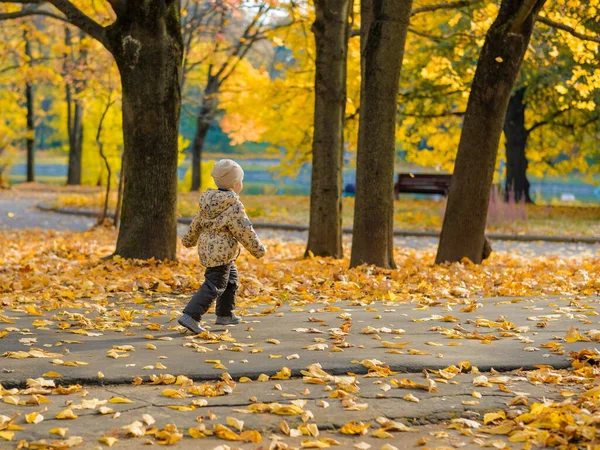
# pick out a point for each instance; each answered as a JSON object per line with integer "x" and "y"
{"x": 213, "y": 203}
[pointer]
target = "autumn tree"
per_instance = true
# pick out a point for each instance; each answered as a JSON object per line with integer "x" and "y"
{"x": 234, "y": 29}
{"x": 384, "y": 25}
{"x": 12, "y": 124}
{"x": 463, "y": 230}
{"x": 146, "y": 43}
{"x": 256, "y": 106}
{"x": 75, "y": 60}
{"x": 559, "y": 89}
{"x": 331, "y": 31}
{"x": 557, "y": 83}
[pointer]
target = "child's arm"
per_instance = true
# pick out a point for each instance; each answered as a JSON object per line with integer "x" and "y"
{"x": 241, "y": 228}
{"x": 191, "y": 237}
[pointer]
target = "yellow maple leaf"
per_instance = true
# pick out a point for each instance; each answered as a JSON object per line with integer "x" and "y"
{"x": 284, "y": 374}
{"x": 62, "y": 432}
{"x": 119, "y": 400}
{"x": 573, "y": 335}
{"x": 108, "y": 440}
{"x": 66, "y": 414}
{"x": 354, "y": 428}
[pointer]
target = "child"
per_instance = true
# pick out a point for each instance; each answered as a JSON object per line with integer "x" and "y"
{"x": 219, "y": 225}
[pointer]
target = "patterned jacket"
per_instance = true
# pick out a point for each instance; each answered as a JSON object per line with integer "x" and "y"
{"x": 219, "y": 225}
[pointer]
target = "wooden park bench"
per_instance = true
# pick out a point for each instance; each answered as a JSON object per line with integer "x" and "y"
{"x": 421, "y": 183}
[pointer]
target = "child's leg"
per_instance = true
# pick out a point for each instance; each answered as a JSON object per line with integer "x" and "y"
{"x": 226, "y": 302}
{"x": 215, "y": 283}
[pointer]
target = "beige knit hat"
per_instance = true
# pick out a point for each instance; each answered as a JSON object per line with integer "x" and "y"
{"x": 227, "y": 173}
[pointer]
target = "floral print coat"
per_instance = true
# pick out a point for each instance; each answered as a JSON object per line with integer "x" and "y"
{"x": 220, "y": 224}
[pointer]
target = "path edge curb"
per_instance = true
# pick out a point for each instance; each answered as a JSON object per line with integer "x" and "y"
{"x": 348, "y": 230}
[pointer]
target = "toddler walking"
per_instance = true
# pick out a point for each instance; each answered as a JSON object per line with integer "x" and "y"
{"x": 220, "y": 224}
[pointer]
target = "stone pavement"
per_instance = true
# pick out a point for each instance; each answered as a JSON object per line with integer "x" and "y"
{"x": 503, "y": 334}
{"x": 452, "y": 401}
{"x": 498, "y": 334}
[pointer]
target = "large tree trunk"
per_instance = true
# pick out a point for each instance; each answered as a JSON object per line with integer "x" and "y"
{"x": 331, "y": 39}
{"x": 147, "y": 45}
{"x": 463, "y": 230}
{"x": 517, "y": 185}
{"x": 29, "y": 100}
{"x": 383, "y": 34}
{"x": 205, "y": 117}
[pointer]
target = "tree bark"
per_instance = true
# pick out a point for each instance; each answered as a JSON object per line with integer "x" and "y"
{"x": 106, "y": 164}
{"x": 74, "y": 121}
{"x": 117, "y": 216}
{"x": 383, "y": 35}
{"x": 331, "y": 39}
{"x": 205, "y": 117}
{"x": 147, "y": 46}
{"x": 29, "y": 100}
{"x": 463, "y": 230}
{"x": 517, "y": 185}
{"x": 75, "y": 132}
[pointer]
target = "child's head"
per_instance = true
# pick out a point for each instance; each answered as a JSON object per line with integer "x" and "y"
{"x": 228, "y": 175}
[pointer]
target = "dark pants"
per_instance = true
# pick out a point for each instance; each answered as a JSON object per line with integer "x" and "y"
{"x": 221, "y": 284}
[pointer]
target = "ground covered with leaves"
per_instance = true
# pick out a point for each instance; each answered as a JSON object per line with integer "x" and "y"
{"x": 59, "y": 295}
{"x": 61, "y": 266}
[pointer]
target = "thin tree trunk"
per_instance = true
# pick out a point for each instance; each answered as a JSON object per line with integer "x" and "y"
{"x": 383, "y": 35}
{"x": 74, "y": 119}
{"x": 29, "y": 98}
{"x": 517, "y": 185}
{"x": 148, "y": 49}
{"x": 205, "y": 117}
{"x": 106, "y": 164}
{"x": 202, "y": 126}
{"x": 75, "y": 145}
{"x": 463, "y": 230}
{"x": 331, "y": 38}
{"x": 75, "y": 130}
{"x": 117, "y": 217}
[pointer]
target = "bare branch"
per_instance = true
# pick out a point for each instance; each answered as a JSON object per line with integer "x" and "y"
{"x": 81, "y": 20}
{"x": 547, "y": 120}
{"x": 31, "y": 61}
{"x": 527, "y": 7}
{"x": 73, "y": 15}
{"x": 242, "y": 42}
{"x": 573, "y": 126}
{"x": 568, "y": 29}
{"x": 441, "y": 37}
{"x": 28, "y": 12}
{"x": 429, "y": 8}
{"x": 449, "y": 5}
{"x": 434, "y": 116}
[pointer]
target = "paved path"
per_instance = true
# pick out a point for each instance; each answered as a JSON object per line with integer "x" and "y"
{"x": 502, "y": 334}
{"x": 80, "y": 346}
{"x": 514, "y": 333}
{"x": 147, "y": 402}
{"x": 26, "y": 215}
